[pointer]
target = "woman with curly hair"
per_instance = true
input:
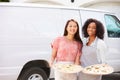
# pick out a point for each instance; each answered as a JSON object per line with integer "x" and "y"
{"x": 94, "y": 48}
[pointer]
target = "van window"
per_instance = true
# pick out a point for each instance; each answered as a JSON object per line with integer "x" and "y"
{"x": 113, "y": 26}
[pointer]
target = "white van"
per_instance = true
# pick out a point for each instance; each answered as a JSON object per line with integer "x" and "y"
{"x": 27, "y": 30}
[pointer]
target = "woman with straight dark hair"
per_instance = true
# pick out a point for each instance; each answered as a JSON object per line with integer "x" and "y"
{"x": 67, "y": 49}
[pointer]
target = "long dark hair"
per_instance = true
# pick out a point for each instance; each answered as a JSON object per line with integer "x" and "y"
{"x": 76, "y": 36}
{"x": 99, "y": 28}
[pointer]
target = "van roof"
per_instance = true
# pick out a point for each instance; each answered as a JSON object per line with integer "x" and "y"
{"x": 11, "y": 4}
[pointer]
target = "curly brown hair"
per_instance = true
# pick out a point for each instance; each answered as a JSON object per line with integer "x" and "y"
{"x": 77, "y": 36}
{"x": 99, "y": 28}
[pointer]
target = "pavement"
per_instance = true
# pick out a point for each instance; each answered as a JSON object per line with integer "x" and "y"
{"x": 113, "y": 76}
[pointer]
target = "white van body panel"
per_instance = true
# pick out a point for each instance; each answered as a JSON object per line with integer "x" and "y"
{"x": 27, "y": 31}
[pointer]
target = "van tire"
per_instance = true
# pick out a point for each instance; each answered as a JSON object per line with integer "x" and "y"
{"x": 33, "y": 74}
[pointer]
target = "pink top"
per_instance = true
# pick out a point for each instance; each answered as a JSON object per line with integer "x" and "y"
{"x": 66, "y": 50}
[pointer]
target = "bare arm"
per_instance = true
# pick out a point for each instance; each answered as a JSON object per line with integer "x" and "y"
{"x": 77, "y": 60}
{"x": 53, "y": 56}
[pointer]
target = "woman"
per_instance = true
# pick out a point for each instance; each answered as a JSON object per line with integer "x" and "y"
{"x": 67, "y": 49}
{"x": 94, "y": 48}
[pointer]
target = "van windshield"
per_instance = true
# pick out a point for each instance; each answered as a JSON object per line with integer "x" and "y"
{"x": 113, "y": 26}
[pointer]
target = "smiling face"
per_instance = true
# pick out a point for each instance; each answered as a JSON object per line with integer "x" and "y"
{"x": 72, "y": 28}
{"x": 91, "y": 29}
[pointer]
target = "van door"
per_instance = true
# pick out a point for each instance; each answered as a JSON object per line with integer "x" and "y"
{"x": 86, "y": 14}
{"x": 113, "y": 33}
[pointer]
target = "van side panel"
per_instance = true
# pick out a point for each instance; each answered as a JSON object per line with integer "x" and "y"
{"x": 26, "y": 34}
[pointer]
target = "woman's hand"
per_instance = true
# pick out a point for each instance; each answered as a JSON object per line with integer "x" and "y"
{"x": 50, "y": 64}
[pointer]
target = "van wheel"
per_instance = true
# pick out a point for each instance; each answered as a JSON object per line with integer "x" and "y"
{"x": 34, "y": 73}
